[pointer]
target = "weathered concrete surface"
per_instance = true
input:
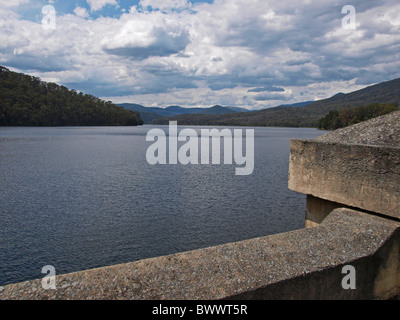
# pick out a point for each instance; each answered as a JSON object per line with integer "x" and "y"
{"x": 358, "y": 166}
{"x": 302, "y": 264}
{"x": 382, "y": 131}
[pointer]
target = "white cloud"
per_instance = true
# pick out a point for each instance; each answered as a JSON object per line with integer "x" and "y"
{"x": 143, "y": 35}
{"x": 12, "y": 3}
{"x": 96, "y": 5}
{"x": 81, "y": 12}
{"x": 276, "y": 96}
{"x": 215, "y": 54}
{"x": 165, "y": 4}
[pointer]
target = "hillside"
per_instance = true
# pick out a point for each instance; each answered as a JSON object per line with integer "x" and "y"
{"x": 216, "y": 110}
{"x": 149, "y": 114}
{"x": 347, "y": 117}
{"x": 164, "y": 112}
{"x": 304, "y": 116}
{"x": 28, "y": 101}
{"x": 295, "y": 105}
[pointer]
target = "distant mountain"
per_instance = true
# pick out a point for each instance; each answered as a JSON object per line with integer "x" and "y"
{"x": 146, "y": 114}
{"x": 175, "y": 110}
{"x": 298, "y": 104}
{"x": 216, "y": 110}
{"x": 150, "y": 114}
{"x": 304, "y": 116}
{"x": 148, "y": 117}
{"x": 139, "y": 108}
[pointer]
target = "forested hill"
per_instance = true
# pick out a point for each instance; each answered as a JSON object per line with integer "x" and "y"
{"x": 149, "y": 114}
{"x": 28, "y": 101}
{"x": 305, "y": 116}
{"x": 346, "y": 117}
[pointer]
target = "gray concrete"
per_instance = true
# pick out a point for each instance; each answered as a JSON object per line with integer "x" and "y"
{"x": 318, "y": 209}
{"x": 382, "y": 131}
{"x": 358, "y": 166}
{"x": 303, "y": 264}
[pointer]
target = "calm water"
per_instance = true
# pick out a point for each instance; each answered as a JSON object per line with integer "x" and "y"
{"x": 78, "y": 198}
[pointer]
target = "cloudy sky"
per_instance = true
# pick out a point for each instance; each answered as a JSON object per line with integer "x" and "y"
{"x": 246, "y": 53}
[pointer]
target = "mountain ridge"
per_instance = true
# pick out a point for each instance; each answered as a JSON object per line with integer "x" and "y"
{"x": 148, "y": 114}
{"x": 304, "y": 116}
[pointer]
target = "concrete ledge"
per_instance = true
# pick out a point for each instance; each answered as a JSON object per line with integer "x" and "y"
{"x": 302, "y": 264}
{"x": 361, "y": 176}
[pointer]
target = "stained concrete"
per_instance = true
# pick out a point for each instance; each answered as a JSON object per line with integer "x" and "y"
{"x": 358, "y": 166}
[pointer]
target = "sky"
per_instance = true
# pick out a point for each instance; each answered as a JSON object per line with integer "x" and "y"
{"x": 253, "y": 54}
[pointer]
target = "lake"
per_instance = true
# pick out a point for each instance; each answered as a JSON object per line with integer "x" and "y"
{"x": 84, "y": 197}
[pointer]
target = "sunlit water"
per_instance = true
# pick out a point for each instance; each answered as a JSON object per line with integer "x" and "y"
{"x": 78, "y": 198}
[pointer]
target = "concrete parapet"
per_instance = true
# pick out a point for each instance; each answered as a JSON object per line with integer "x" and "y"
{"x": 357, "y": 167}
{"x": 302, "y": 264}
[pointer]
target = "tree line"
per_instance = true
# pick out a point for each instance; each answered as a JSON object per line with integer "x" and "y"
{"x": 27, "y": 101}
{"x": 336, "y": 119}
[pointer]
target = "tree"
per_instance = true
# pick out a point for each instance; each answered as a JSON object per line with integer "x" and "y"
{"x": 349, "y": 116}
{"x": 28, "y": 101}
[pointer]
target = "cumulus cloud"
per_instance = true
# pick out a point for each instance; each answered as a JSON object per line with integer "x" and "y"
{"x": 96, "y": 5}
{"x": 165, "y": 4}
{"x": 267, "y": 88}
{"x": 12, "y": 3}
{"x": 273, "y": 96}
{"x": 244, "y": 53}
{"x": 145, "y": 37}
{"x": 81, "y": 12}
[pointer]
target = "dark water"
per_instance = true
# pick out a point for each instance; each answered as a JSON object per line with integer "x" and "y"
{"x": 78, "y": 198}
